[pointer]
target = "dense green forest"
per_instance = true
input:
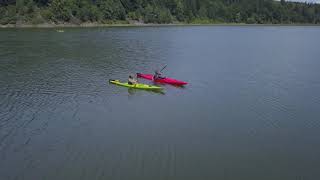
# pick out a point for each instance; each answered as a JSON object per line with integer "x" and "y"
{"x": 157, "y": 11}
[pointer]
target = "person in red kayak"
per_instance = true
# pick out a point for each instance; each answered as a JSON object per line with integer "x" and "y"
{"x": 157, "y": 75}
{"x": 132, "y": 80}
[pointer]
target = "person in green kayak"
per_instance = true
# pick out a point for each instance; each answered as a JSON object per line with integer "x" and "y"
{"x": 132, "y": 80}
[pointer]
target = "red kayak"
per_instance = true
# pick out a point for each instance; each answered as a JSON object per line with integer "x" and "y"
{"x": 162, "y": 80}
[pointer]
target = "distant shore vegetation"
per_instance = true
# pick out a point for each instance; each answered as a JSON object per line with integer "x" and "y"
{"x": 15, "y": 12}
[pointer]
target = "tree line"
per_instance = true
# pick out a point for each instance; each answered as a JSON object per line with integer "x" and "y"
{"x": 158, "y": 11}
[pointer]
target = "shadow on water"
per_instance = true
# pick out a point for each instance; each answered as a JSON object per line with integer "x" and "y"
{"x": 132, "y": 91}
{"x": 168, "y": 85}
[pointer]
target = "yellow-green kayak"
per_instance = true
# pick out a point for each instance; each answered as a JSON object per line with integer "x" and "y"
{"x": 136, "y": 86}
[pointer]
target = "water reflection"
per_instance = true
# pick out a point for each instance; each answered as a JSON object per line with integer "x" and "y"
{"x": 132, "y": 91}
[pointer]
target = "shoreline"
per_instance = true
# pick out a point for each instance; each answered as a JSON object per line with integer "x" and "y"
{"x": 91, "y": 25}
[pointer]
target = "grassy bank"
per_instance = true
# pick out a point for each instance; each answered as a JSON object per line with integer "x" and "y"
{"x": 90, "y": 25}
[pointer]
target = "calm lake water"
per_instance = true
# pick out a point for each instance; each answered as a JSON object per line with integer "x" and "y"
{"x": 251, "y": 110}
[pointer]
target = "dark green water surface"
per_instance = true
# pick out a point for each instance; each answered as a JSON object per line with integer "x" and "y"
{"x": 250, "y": 112}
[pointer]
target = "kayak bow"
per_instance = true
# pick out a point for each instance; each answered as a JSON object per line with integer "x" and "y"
{"x": 162, "y": 80}
{"x": 136, "y": 86}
